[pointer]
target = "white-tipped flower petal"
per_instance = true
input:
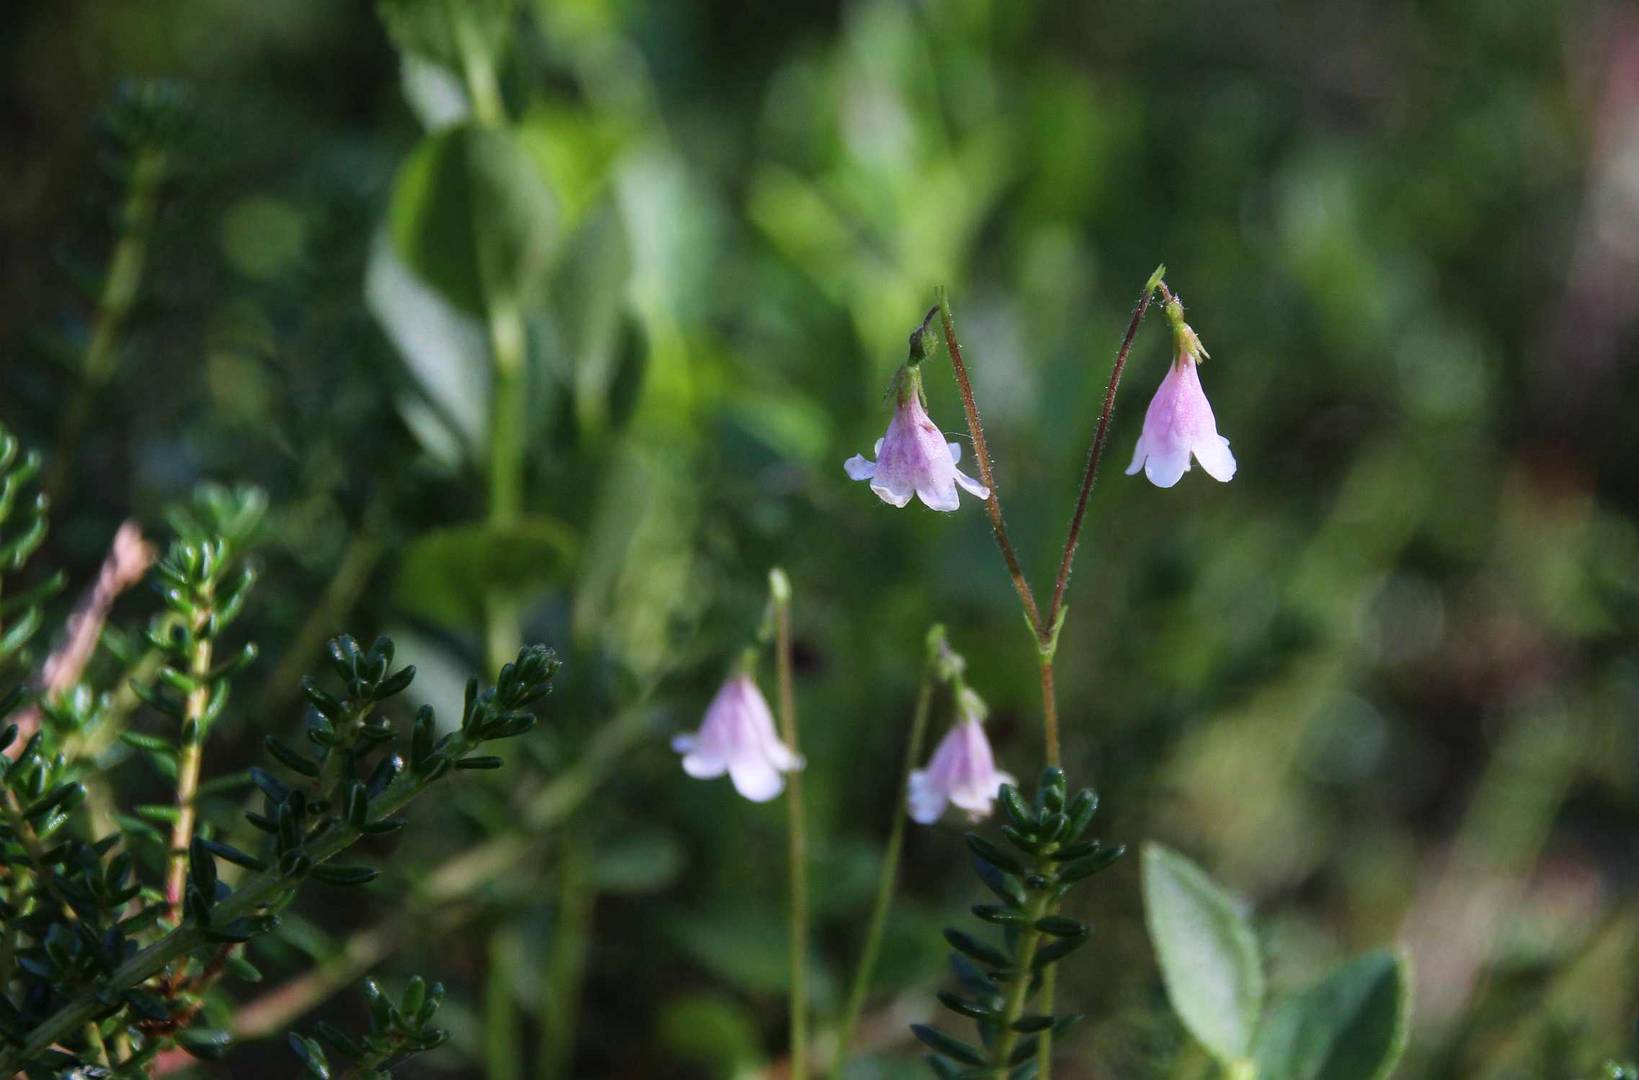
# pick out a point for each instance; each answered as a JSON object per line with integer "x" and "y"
{"x": 1179, "y": 423}
{"x": 962, "y": 771}
{"x": 737, "y": 737}
{"x": 913, "y": 458}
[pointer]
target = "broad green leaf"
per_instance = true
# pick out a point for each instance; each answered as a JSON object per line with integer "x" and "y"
{"x": 445, "y": 572}
{"x": 423, "y": 28}
{"x": 443, "y": 348}
{"x": 1349, "y": 1026}
{"x": 1209, "y": 957}
{"x": 472, "y": 215}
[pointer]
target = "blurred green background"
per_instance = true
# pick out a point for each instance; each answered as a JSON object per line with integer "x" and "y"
{"x": 1384, "y": 684}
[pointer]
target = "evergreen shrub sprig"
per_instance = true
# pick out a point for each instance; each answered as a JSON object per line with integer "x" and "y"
{"x": 1045, "y": 857}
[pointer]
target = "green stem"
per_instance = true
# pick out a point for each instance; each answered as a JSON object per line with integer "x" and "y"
{"x": 188, "y": 764}
{"x": 1039, "y": 905}
{"x": 885, "y": 883}
{"x": 1018, "y": 991}
{"x": 119, "y": 292}
{"x": 796, "y": 833}
{"x": 503, "y": 1050}
{"x": 508, "y": 417}
{"x": 565, "y": 962}
{"x": 256, "y": 894}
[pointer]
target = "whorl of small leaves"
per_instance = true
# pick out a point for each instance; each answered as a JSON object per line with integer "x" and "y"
{"x": 396, "y": 1031}
{"x": 1043, "y": 859}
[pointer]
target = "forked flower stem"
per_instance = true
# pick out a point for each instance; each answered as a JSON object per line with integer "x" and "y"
{"x": 886, "y": 881}
{"x": 797, "y": 837}
{"x": 1045, "y": 630}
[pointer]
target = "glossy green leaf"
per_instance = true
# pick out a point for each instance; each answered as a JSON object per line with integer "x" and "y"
{"x": 1207, "y": 952}
{"x": 1351, "y": 1025}
{"x": 471, "y": 215}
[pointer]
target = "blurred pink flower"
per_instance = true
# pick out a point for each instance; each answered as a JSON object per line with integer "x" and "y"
{"x": 737, "y": 737}
{"x": 1180, "y": 423}
{"x": 913, "y": 458}
{"x": 962, "y": 770}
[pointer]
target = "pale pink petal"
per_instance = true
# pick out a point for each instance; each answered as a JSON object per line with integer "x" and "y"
{"x": 955, "y": 452}
{"x": 755, "y": 777}
{"x": 939, "y": 496}
{"x": 893, "y": 490}
{"x": 972, "y": 486}
{"x": 737, "y": 736}
{"x": 926, "y": 801}
{"x": 858, "y": 468}
{"x": 1214, "y": 456}
{"x": 1166, "y": 467}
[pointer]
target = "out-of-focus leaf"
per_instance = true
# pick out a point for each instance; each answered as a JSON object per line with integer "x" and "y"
{"x": 423, "y": 27}
{"x": 433, "y": 92}
{"x": 637, "y": 863}
{"x": 472, "y": 215}
{"x": 445, "y": 572}
{"x": 444, "y": 348}
{"x": 1208, "y": 954}
{"x": 710, "y": 1030}
{"x": 1351, "y": 1025}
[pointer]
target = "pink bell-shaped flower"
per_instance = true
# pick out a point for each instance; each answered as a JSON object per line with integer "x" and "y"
{"x": 1179, "y": 422}
{"x": 962, "y": 770}
{"x": 738, "y": 737}
{"x": 913, "y": 458}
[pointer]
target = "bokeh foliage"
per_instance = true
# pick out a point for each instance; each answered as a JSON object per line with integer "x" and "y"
{"x": 1383, "y": 684}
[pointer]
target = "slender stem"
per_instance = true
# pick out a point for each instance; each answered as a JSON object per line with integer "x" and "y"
{"x": 508, "y": 405}
{"x": 1044, "y": 1049}
{"x": 885, "y": 882}
{"x": 119, "y": 292}
{"x": 565, "y": 961}
{"x": 981, "y": 455}
{"x": 188, "y": 764}
{"x": 508, "y": 349}
{"x": 797, "y": 837}
{"x": 1095, "y": 451}
{"x": 503, "y": 1039}
{"x": 1018, "y": 990}
{"x": 1049, "y": 710}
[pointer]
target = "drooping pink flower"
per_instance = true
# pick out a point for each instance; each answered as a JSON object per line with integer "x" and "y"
{"x": 1180, "y": 423}
{"x": 737, "y": 737}
{"x": 913, "y": 458}
{"x": 962, "y": 770}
